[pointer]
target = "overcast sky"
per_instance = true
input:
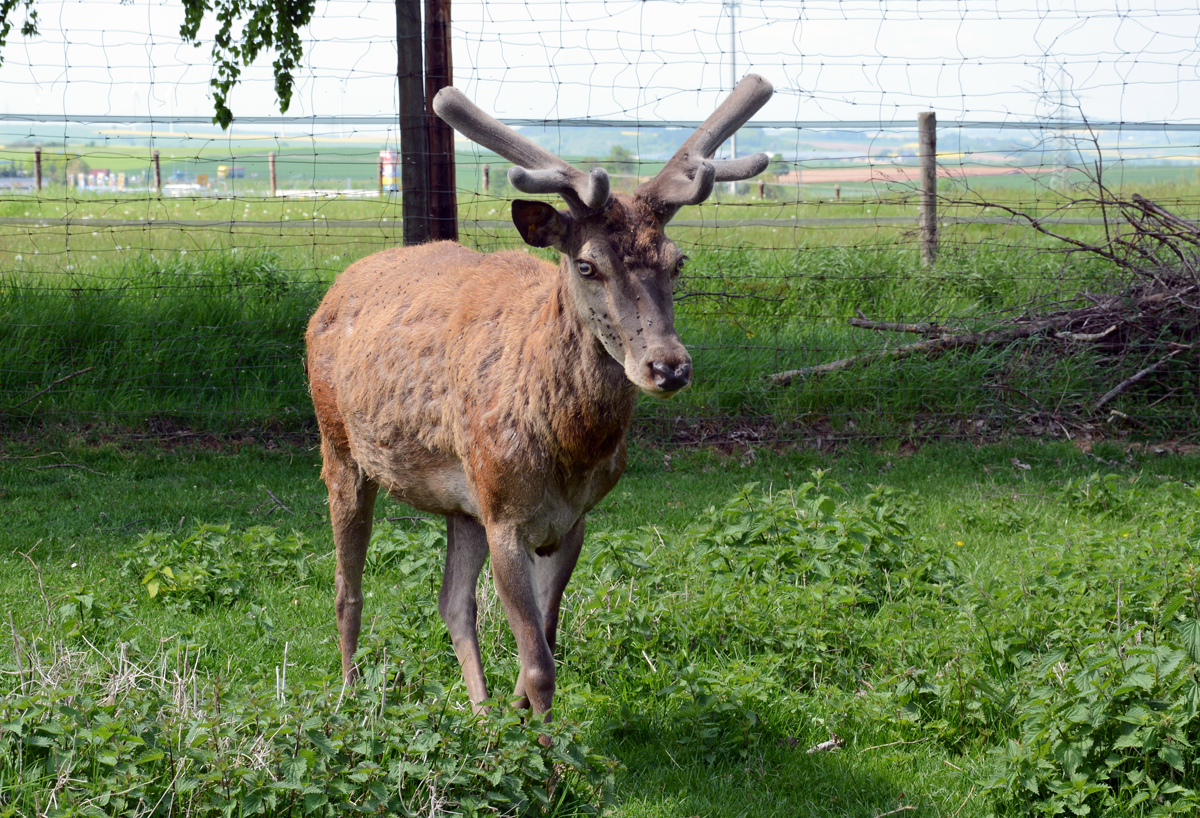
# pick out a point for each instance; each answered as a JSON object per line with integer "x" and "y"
{"x": 653, "y": 59}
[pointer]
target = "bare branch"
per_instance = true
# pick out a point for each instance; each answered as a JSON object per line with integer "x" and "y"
{"x": 1086, "y": 336}
{"x": 935, "y": 346}
{"x": 889, "y": 326}
{"x": 1137, "y": 376}
{"x": 41, "y": 392}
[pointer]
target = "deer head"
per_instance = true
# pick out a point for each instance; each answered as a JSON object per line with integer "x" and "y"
{"x": 618, "y": 265}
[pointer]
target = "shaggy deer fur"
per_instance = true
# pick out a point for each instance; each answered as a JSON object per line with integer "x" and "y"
{"x": 496, "y": 389}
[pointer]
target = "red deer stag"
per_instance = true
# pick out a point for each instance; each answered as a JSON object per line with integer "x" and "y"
{"x": 496, "y": 389}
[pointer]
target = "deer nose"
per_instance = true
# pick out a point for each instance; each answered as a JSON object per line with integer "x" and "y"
{"x": 671, "y": 377}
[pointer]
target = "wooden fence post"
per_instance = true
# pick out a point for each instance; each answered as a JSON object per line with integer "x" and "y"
{"x": 271, "y": 171}
{"x": 439, "y": 72}
{"x": 414, "y": 137}
{"x": 487, "y": 178}
{"x": 37, "y": 168}
{"x": 927, "y": 139}
{"x": 157, "y": 173}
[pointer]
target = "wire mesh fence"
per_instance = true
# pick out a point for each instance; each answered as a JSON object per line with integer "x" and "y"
{"x": 183, "y": 298}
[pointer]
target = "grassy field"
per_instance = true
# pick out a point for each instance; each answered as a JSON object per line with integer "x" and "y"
{"x": 1000, "y": 629}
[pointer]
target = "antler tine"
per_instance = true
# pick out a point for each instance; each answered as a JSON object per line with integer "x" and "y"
{"x": 742, "y": 103}
{"x": 735, "y": 170}
{"x": 535, "y": 170}
{"x": 689, "y": 176}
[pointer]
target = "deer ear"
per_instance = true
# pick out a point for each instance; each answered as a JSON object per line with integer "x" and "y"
{"x": 540, "y": 224}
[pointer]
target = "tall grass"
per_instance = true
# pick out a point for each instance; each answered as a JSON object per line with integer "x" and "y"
{"x": 212, "y": 338}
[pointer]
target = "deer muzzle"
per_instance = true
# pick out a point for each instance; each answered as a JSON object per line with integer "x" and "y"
{"x": 671, "y": 377}
{"x": 664, "y": 370}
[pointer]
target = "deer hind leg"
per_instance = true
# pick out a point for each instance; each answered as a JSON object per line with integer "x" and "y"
{"x": 466, "y": 551}
{"x": 552, "y": 573}
{"x": 351, "y": 506}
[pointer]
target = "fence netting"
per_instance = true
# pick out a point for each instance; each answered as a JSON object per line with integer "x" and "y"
{"x": 175, "y": 291}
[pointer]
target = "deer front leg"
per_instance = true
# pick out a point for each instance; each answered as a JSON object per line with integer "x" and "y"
{"x": 351, "y": 507}
{"x": 466, "y": 551}
{"x": 552, "y": 574}
{"x": 516, "y": 585}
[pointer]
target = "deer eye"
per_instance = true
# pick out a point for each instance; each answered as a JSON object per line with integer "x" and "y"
{"x": 679, "y": 265}
{"x": 586, "y": 269}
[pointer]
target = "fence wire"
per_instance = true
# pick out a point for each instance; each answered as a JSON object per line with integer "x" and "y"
{"x": 182, "y": 302}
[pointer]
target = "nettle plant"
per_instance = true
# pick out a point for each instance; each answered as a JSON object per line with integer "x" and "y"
{"x": 1104, "y": 715}
{"x": 214, "y": 565}
{"x": 145, "y": 743}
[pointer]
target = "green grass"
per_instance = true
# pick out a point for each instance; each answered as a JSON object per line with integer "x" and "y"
{"x": 692, "y": 652}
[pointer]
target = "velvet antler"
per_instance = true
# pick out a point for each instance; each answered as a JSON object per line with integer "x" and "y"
{"x": 535, "y": 170}
{"x": 689, "y": 176}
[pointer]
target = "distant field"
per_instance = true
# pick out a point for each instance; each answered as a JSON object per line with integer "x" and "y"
{"x": 326, "y": 160}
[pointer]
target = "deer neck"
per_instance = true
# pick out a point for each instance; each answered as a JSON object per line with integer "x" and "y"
{"x": 589, "y": 401}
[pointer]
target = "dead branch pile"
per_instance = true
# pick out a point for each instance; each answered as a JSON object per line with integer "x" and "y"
{"x": 1155, "y": 306}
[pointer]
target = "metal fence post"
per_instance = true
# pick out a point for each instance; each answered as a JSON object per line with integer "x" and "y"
{"x": 927, "y": 139}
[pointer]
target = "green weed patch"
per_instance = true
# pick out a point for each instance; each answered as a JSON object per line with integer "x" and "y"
{"x": 1061, "y": 675}
{"x": 139, "y": 743}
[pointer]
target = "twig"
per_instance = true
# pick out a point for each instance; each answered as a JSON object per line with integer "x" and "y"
{"x": 1085, "y": 336}
{"x": 51, "y": 386}
{"x": 904, "y": 808}
{"x": 1165, "y": 215}
{"x": 278, "y": 502}
{"x": 41, "y": 585}
{"x": 1134, "y": 378}
{"x": 1113, "y": 413}
{"x": 65, "y": 466}
{"x": 893, "y": 326}
{"x": 893, "y": 744}
{"x": 17, "y": 650}
{"x": 937, "y": 345}
{"x": 964, "y": 803}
